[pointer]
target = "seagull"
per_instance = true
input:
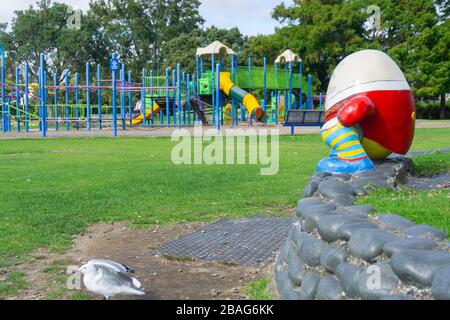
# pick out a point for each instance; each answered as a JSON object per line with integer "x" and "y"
{"x": 109, "y": 279}
{"x": 119, "y": 267}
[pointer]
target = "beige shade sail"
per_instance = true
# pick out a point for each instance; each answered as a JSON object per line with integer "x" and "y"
{"x": 288, "y": 56}
{"x": 217, "y": 48}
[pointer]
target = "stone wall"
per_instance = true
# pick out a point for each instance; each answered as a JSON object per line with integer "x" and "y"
{"x": 336, "y": 250}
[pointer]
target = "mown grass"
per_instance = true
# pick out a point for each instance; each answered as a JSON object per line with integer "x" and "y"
{"x": 259, "y": 290}
{"x": 434, "y": 163}
{"x": 11, "y": 283}
{"x": 56, "y": 278}
{"x": 422, "y": 207}
{"x": 53, "y": 189}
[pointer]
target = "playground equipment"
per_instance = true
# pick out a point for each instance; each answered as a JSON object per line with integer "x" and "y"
{"x": 216, "y": 96}
{"x": 246, "y": 99}
{"x": 370, "y": 112}
{"x": 148, "y": 116}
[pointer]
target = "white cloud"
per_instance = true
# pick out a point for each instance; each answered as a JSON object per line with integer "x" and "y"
{"x": 250, "y": 16}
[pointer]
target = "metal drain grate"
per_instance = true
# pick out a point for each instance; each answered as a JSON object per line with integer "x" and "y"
{"x": 249, "y": 242}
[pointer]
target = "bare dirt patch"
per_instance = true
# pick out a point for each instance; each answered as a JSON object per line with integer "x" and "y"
{"x": 163, "y": 277}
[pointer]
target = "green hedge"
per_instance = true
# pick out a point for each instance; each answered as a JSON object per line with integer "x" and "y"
{"x": 430, "y": 110}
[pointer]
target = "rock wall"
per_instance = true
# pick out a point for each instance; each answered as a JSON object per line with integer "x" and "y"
{"x": 337, "y": 250}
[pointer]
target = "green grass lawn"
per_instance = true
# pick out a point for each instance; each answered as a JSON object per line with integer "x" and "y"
{"x": 53, "y": 189}
{"x": 420, "y": 206}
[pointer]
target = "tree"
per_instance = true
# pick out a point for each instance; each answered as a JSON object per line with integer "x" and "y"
{"x": 43, "y": 29}
{"x": 137, "y": 29}
{"x": 322, "y": 32}
{"x": 425, "y": 60}
{"x": 182, "y": 49}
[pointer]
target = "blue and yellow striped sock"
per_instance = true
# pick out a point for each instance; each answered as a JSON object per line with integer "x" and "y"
{"x": 345, "y": 143}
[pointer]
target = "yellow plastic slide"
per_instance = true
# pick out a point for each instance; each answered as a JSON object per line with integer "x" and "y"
{"x": 248, "y": 100}
{"x": 140, "y": 118}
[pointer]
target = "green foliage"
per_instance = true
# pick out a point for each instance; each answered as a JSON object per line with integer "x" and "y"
{"x": 137, "y": 29}
{"x": 430, "y": 110}
{"x": 323, "y": 32}
{"x": 425, "y": 59}
{"x": 182, "y": 49}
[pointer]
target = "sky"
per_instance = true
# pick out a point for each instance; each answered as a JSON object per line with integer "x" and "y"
{"x": 252, "y": 17}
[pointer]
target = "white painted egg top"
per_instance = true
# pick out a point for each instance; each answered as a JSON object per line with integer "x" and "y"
{"x": 364, "y": 71}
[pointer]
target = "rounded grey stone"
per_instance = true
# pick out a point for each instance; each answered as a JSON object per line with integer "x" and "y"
{"x": 292, "y": 229}
{"x": 339, "y": 177}
{"x": 286, "y": 247}
{"x": 360, "y": 210}
{"x": 311, "y": 219}
{"x": 310, "y": 251}
{"x": 332, "y": 256}
{"x": 418, "y": 266}
{"x": 332, "y": 188}
{"x": 376, "y": 281}
{"x": 343, "y": 200}
{"x": 440, "y": 287}
{"x": 304, "y": 203}
{"x": 369, "y": 174}
{"x": 378, "y": 182}
{"x": 412, "y": 243}
{"x": 348, "y": 275}
{"x": 328, "y": 225}
{"x": 387, "y": 170}
{"x": 321, "y": 175}
{"x": 368, "y": 243}
{"x": 424, "y": 231}
{"x": 395, "y": 221}
{"x": 309, "y": 206}
{"x": 311, "y": 188}
{"x": 296, "y": 269}
{"x": 308, "y": 289}
{"x": 281, "y": 277}
{"x": 298, "y": 239}
{"x": 329, "y": 288}
{"x": 346, "y": 230}
{"x": 360, "y": 191}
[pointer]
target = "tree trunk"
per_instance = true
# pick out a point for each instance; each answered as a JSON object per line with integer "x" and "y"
{"x": 442, "y": 108}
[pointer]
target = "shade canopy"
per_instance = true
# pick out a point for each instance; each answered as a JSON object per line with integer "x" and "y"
{"x": 217, "y": 49}
{"x": 288, "y": 56}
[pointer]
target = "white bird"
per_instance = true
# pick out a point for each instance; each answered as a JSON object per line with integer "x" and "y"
{"x": 120, "y": 267}
{"x": 109, "y": 279}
